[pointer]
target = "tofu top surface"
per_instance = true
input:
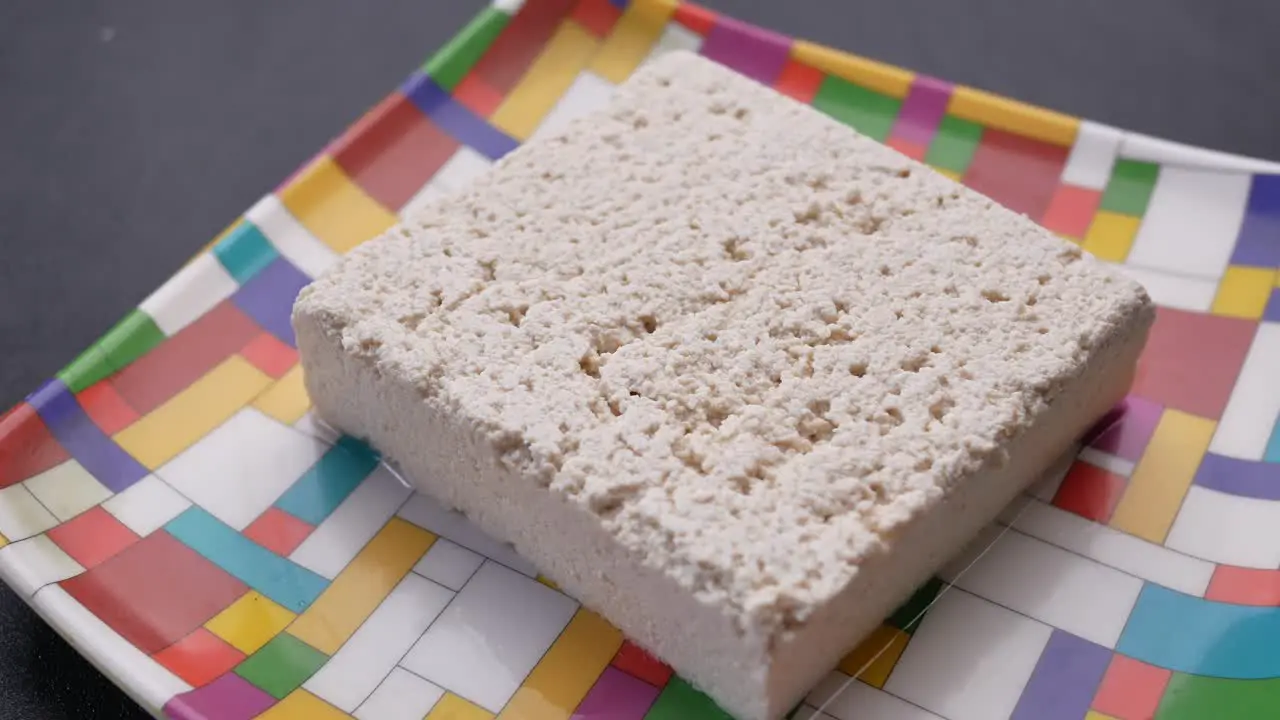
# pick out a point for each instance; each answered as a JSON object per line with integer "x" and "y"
{"x": 747, "y": 338}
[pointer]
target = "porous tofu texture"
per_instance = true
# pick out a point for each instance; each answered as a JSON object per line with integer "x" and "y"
{"x": 745, "y": 341}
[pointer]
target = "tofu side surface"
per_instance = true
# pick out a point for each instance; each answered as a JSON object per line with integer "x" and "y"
{"x": 735, "y": 376}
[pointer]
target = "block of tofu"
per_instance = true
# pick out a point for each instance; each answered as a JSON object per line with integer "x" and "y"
{"x": 732, "y": 374}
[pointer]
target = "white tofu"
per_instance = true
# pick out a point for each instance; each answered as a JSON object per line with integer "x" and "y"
{"x": 732, "y": 374}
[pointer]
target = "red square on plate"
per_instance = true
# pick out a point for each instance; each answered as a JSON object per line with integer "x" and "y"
{"x": 799, "y": 81}
{"x": 269, "y": 355}
{"x": 695, "y": 17}
{"x": 1071, "y": 210}
{"x": 915, "y": 151}
{"x": 515, "y": 48}
{"x": 1090, "y": 491}
{"x": 1192, "y": 359}
{"x": 92, "y": 537}
{"x": 199, "y": 658}
{"x": 597, "y": 16}
{"x": 633, "y": 660}
{"x": 1015, "y": 171}
{"x": 1131, "y": 689}
{"x": 1244, "y": 586}
{"x": 156, "y": 592}
{"x": 27, "y": 448}
{"x": 184, "y": 358}
{"x": 106, "y": 408}
{"x": 393, "y": 151}
{"x": 477, "y": 96}
{"x": 278, "y": 531}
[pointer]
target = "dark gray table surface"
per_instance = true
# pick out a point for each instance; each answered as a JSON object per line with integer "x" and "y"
{"x": 131, "y": 133}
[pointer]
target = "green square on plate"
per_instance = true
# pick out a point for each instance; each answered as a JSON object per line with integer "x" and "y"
{"x": 453, "y": 61}
{"x": 282, "y": 665}
{"x": 1129, "y": 189}
{"x": 907, "y": 617}
{"x": 681, "y": 701}
{"x": 866, "y": 111}
{"x": 130, "y": 339}
{"x": 954, "y": 145}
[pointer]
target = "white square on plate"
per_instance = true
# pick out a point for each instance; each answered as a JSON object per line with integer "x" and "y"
{"x": 1056, "y": 587}
{"x": 1227, "y": 529}
{"x": 489, "y": 639}
{"x": 1191, "y": 223}
{"x": 21, "y": 514}
{"x": 969, "y": 659}
{"x": 856, "y": 700}
{"x": 1092, "y": 156}
{"x": 337, "y": 540}
{"x": 449, "y": 564}
{"x": 428, "y": 514}
{"x": 30, "y": 564}
{"x": 238, "y": 470}
{"x": 189, "y": 294}
{"x": 290, "y": 238}
{"x": 401, "y": 696}
{"x": 1254, "y": 407}
{"x": 147, "y": 505}
{"x": 369, "y": 655}
{"x": 67, "y": 490}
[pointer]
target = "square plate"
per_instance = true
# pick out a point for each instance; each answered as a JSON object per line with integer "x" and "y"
{"x": 170, "y": 506}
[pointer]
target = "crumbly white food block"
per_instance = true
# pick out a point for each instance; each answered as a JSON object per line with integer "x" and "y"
{"x": 735, "y": 376}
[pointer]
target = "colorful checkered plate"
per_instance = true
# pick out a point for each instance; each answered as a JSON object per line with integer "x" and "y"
{"x": 170, "y": 506}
